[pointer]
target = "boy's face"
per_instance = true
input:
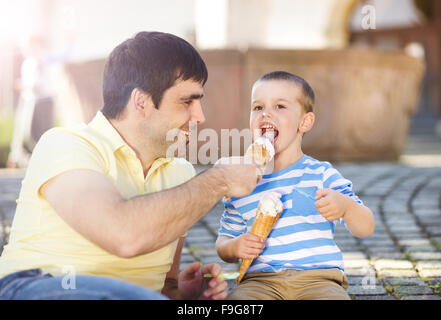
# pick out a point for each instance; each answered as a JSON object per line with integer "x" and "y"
{"x": 275, "y": 106}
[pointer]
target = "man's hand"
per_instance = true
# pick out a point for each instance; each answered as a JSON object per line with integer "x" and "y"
{"x": 331, "y": 204}
{"x": 248, "y": 246}
{"x": 192, "y": 284}
{"x": 240, "y": 175}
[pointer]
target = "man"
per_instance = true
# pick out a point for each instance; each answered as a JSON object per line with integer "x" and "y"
{"x": 102, "y": 201}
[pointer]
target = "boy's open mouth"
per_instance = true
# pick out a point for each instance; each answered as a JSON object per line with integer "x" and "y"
{"x": 269, "y": 130}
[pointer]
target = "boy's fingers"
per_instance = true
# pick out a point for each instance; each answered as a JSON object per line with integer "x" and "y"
{"x": 324, "y": 211}
{"x": 321, "y": 193}
{"x": 254, "y": 244}
{"x": 330, "y": 217}
{"x": 250, "y": 255}
{"x": 321, "y": 203}
{"x": 254, "y": 252}
{"x": 253, "y": 237}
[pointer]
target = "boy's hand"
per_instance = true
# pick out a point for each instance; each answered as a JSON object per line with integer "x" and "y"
{"x": 331, "y": 204}
{"x": 248, "y": 246}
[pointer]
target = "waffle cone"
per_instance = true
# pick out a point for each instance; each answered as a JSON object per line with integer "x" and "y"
{"x": 262, "y": 226}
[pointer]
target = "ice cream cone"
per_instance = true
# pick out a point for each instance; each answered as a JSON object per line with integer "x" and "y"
{"x": 262, "y": 226}
{"x": 260, "y": 151}
{"x": 259, "y": 154}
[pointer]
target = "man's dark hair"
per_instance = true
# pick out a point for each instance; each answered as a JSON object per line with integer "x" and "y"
{"x": 308, "y": 98}
{"x": 152, "y": 62}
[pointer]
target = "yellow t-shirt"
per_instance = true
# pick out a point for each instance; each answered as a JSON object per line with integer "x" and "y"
{"x": 39, "y": 238}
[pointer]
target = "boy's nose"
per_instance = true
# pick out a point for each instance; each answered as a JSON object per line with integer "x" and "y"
{"x": 266, "y": 114}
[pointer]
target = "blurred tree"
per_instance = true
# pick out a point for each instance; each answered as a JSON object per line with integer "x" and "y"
{"x": 431, "y": 9}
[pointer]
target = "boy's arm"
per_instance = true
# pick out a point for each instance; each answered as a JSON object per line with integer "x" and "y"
{"x": 333, "y": 205}
{"x": 225, "y": 249}
{"x": 359, "y": 219}
{"x": 246, "y": 246}
{"x": 234, "y": 242}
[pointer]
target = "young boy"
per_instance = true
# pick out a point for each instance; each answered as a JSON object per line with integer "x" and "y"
{"x": 299, "y": 259}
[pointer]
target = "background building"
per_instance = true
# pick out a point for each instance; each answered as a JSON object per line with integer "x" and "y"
{"x": 80, "y": 34}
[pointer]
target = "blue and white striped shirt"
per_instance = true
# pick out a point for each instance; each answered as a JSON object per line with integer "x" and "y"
{"x": 301, "y": 239}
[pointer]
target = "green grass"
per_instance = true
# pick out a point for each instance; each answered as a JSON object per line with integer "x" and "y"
{"x": 6, "y": 128}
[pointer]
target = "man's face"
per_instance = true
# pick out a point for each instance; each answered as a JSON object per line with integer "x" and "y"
{"x": 275, "y": 106}
{"x": 180, "y": 106}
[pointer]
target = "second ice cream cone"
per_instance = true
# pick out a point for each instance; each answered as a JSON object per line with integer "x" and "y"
{"x": 262, "y": 226}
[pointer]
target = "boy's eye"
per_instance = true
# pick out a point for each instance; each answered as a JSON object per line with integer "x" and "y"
{"x": 279, "y": 106}
{"x": 257, "y": 108}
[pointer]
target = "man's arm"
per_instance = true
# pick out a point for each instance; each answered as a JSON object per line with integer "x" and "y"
{"x": 90, "y": 204}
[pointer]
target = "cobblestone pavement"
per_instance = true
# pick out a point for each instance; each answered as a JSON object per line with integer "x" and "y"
{"x": 401, "y": 260}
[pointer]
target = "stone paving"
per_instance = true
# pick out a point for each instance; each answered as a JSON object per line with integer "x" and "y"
{"x": 401, "y": 260}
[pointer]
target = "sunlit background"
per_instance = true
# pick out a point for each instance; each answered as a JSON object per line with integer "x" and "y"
{"x": 240, "y": 39}
{"x": 375, "y": 67}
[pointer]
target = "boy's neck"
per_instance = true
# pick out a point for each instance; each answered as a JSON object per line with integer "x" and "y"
{"x": 284, "y": 159}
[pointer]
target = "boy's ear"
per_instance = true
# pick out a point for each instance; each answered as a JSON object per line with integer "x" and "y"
{"x": 307, "y": 122}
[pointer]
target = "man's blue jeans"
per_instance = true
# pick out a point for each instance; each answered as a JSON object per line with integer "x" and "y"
{"x": 32, "y": 284}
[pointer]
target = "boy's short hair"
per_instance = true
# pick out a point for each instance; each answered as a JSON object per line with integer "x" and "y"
{"x": 308, "y": 97}
{"x": 152, "y": 62}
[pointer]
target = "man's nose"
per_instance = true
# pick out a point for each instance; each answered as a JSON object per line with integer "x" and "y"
{"x": 197, "y": 115}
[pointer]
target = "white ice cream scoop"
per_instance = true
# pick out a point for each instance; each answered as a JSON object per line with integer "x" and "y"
{"x": 270, "y": 204}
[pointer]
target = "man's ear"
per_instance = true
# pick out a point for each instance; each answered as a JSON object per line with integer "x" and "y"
{"x": 307, "y": 122}
{"x": 142, "y": 102}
